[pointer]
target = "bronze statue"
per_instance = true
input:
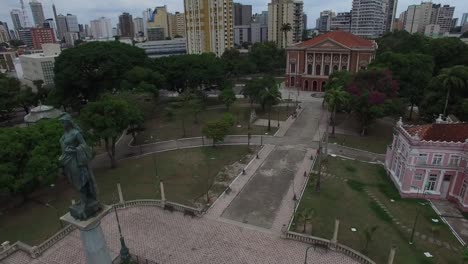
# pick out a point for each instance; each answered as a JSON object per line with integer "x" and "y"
{"x": 75, "y": 158}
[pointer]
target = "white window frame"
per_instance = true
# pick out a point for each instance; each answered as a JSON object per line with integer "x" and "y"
{"x": 420, "y": 161}
{"x": 434, "y": 159}
{"x": 419, "y": 175}
{"x": 431, "y": 185}
{"x": 458, "y": 158}
{"x": 463, "y": 190}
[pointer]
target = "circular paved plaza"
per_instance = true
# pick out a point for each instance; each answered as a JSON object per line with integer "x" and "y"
{"x": 171, "y": 238}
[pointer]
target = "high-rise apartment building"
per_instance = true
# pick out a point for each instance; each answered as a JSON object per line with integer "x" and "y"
{"x": 42, "y": 36}
{"x": 417, "y": 17}
{"x": 72, "y": 23}
{"x": 454, "y": 24}
{"x": 49, "y": 23}
{"x": 304, "y": 21}
{"x": 282, "y": 12}
{"x": 160, "y": 19}
{"x": 126, "y": 25}
{"x": 62, "y": 27}
{"x": 464, "y": 19}
{"x": 242, "y": 14}
{"x": 101, "y": 28}
{"x": 323, "y": 23}
{"x": 4, "y": 32}
{"x": 37, "y": 12}
{"x": 17, "y": 18}
{"x": 260, "y": 27}
{"x": 368, "y": 18}
{"x": 442, "y": 16}
{"x": 177, "y": 25}
{"x": 209, "y": 25}
{"x": 261, "y": 18}
{"x": 391, "y": 7}
{"x": 342, "y": 21}
{"x": 25, "y": 35}
{"x": 138, "y": 26}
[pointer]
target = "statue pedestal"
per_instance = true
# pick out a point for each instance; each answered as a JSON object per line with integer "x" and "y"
{"x": 92, "y": 237}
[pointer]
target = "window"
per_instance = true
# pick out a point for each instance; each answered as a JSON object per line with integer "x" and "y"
{"x": 454, "y": 160}
{"x": 418, "y": 176}
{"x": 399, "y": 169}
{"x": 437, "y": 159}
{"x": 431, "y": 183}
{"x": 309, "y": 69}
{"x": 293, "y": 67}
{"x": 327, "y": 70}
{"x": 318, "y": 70}
{"x": 422, "y": 158}
{"x": 463, "y": 190}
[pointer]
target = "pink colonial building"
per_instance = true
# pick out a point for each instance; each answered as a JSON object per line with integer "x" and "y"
{"x": 310, "y": 63}
{"x": 430, "y": 161}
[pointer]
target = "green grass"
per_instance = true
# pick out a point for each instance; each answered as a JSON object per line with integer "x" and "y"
{"x": 346, "y": 201}
{"x": 187, "y": 175}
{"x": 376, "y": 144}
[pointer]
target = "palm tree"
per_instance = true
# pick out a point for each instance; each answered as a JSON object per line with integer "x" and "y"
{"x": 270, "y": 96}
{"x": 286, "y": 28}
{"x": 305, "y": 216}
{"x": 454, "y": 78}
{"x": 334, "y": 98}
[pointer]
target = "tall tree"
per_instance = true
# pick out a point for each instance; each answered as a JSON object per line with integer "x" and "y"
{"x": 285, "y": 28}
{"x": 216, "y": 130}
{"x": 270, "y": 95}
{"x": 228, "y": 97}
{"x": 26, "y": 98}
{"x": 452, "y": 79}
{"x": 106, "y": 120}
{"x": 9, "y": 90}
{"x": 86, "y": 71}
{"x": 335, "y": 97}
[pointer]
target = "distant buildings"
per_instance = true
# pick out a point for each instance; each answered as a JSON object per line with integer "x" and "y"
{"x": 42, "y": 36}
{"x": 126, "y": 25}
{"x": 159, "y": 23}
{"x": 37, "y": 12}
{"x": 253, "y": 32}
{"x": 464, "y": 19}
{"x": 242, "y": 14}
{"x": 7, "y": 59}
{"x": 40, "y": 66}
{"x": 156, "y": 49}
{"x": 368, "y": 18}
{"x": 209, "y": 26}
{"x": 324, "y": 22}
{"x": 26, "y": 36}
{"x": 177, "y": 25}
{"x": 310, "y": 63}
{"x": 417, "y": 17}
{"x": 390, "y": 13}
{"x": 281, "y": 12}
{"x": 62, "y": 27}
{"x": 342, "y": 21}
{"x": 4, "y": 32}
{"x": 139, "y": 29}
{"x": 101, "y": 28}
{"x": 17, "y": 18}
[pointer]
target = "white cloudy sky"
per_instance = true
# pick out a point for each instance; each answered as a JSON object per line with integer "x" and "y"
{"x": 87, "y": 10}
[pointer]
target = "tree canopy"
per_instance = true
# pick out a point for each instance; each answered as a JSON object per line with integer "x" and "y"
{"x": 90, "y": 69}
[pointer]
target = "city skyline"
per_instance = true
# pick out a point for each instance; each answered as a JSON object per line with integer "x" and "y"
{"x": 88, "y": 10}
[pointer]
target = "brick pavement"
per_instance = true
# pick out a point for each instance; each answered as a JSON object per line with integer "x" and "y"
{"x": 172, "y": 238}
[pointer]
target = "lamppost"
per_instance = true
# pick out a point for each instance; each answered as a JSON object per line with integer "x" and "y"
{"x": 124, "y": 251}
{"x": 56, "y": 213}
{"x": 307, "y": 251}
{"x": 418, "y": 211}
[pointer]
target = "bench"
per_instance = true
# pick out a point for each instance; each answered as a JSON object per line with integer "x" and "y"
{"x": 169, "y": 208}
{"x": 320, "y": 245}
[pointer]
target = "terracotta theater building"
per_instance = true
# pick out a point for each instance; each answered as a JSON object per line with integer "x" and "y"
{"x": 310, "y": 63}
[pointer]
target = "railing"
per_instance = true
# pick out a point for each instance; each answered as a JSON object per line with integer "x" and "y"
{"x": 335, "y": 246}
{"x": 37, "y": 251}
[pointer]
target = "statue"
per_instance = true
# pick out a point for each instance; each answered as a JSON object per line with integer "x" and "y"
{"x": 75, "y": 158}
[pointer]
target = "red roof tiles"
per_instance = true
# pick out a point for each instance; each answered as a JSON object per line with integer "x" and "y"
{"x": 345, "y": 38}
{"x": 455, "y": 132}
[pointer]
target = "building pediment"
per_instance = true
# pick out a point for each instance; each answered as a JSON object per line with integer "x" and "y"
{"x": 329, "y": 44}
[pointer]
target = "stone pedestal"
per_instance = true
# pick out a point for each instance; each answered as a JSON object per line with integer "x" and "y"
{"x": 92, "y": 237}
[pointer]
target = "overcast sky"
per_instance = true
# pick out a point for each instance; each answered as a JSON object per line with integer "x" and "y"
{"x": 87, "y": 10}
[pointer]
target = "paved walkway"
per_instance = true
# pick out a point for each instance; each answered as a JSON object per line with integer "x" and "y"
{"x": 451, "y": 214}
{"x": 172, "y": 238}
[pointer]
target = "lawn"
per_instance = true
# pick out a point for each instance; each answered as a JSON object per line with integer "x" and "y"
{"x": 348, "y": 201}
{"x": 187, "y": 175}
{"x": 162, "y": 127}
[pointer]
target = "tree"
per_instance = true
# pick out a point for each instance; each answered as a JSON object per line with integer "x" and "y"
{"x": 266, "y": 57}
{"x": 26, "y": 98}
{"x": 305, "y": 216}
{"x": 412, "y": 70}
{"x": 228, "y": 97}
{"x": 16, "y": 43}
{"x": 9, "y": 90}
{"x": 285, "y": 28}
{"x": 455, "y": 78}
{"x": 403, "y": 42}
{"x": 369, "y": 91}
{"x": 335, "y": 97}
{"x": 29, "y": 157}
{"x": 216, "y": 130}
{"x": 143, "y": 80}
{"x": 270, "y": 96}
{"x": 86, "y": 71}
{"x": 106, "y": 119}
{"x": 448, "y": 52}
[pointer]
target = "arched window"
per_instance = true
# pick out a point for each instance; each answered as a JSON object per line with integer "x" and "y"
{"x": 335, "y": 68}
{"x": 314, "y": 86}
{"x": 306, "y": 85}
{"x": 317, "y": 69}
{"x": 344, "y": 68}
{"x": 327, "y": 70}
{"x": 293, "y": 82}
{"x": 323, "y": 86}
{"x": 309, "y": 69}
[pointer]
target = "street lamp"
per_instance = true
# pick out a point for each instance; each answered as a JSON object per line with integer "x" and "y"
{"x": 56, "y": 213}
{"x": 124, "y": 251}
{"x": 307, "y": 251}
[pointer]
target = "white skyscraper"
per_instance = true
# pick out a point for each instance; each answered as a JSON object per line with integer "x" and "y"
{"x": 464, "y": 19}
{"x": 72, "y": 23}
{"x": 101, "y": 28}
{"x": 37, "y": 12}
{"x": 138, "y": 24}
{"x": 17, "y": 18}
{"x": 368, "y": 18}
{"x": 282, "y": 12}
